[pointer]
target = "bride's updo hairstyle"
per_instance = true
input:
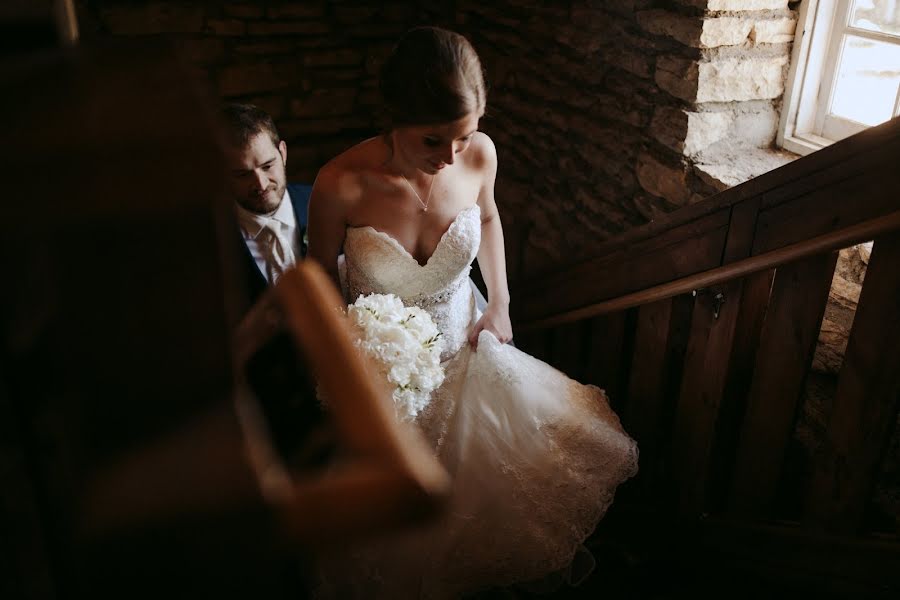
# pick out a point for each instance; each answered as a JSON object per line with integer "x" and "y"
{"x": 432, "y": 76}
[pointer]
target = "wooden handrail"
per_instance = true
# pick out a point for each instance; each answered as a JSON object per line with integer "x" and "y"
{"x": 855, "y": 234}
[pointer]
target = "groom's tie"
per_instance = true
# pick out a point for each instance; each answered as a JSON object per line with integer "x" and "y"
{"x": 278, "y": 249}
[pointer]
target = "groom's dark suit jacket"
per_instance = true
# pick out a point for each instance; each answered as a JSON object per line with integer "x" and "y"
{"x": 256, "y": 281}
{"x": 276, "y": 372}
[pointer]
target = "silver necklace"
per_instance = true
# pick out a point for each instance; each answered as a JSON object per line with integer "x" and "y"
{"x": 418, "y": 197}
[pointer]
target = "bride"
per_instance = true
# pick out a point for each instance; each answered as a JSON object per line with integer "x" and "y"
{"x": 535, "y": 456}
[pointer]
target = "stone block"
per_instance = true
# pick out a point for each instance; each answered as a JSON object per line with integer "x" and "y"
{"x": 243, "y": 11}
{"x": 226, "y": 26}
{"x": 737, "y": 79}
{"x": 274, "y": 105}
{"x": 355, "y": 14}
{"x": 202, "y": 51}
{"x": 685, "y": 29}
{"x": 635, "y": 63}
{"x": 332, "y": 127}
{"x": 288, "y": 28}
{"x": 296, "y": 10}
{"x": 591, "y": 18}
{"x": 651, "y": 207}
{"x": 705, "y": 129}
{"x": 695, "y": 31}
{"x": 375, "y": 30}
{"x": 663, "y": 180}
{"x": 730, "y": 163}
{"x": 253, "y": 78}
{"x": 774, "y": 31}
{"x": 719, "y": 177}
{"x": 669, "y": 127}
{"x": 332, "y": 58}
{"x": 689, "y": 132}
{"x": 738, "y": 5}
{"x": 324, "y": 102}
{"x": 677, "y": 76}
{"x": 152, "y": 18}
{"x": 725, "y": 31}
{"x": 265, "y": 48}
{"x": 756, "y": 127}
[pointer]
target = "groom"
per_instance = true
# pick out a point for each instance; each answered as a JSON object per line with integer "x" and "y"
{"x": 270, "y": 212}
{"x": 271, "y": 217}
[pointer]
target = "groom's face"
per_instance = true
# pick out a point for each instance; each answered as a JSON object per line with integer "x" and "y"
{"x": 256, "y": 173}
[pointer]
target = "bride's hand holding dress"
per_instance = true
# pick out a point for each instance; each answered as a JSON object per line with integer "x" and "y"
{"x": 494, "y": 320}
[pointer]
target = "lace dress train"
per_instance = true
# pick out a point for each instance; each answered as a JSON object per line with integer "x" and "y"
{"x": 535, "y": 456}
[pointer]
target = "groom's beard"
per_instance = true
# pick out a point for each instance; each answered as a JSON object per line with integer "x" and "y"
{"x": 265, "y": 202}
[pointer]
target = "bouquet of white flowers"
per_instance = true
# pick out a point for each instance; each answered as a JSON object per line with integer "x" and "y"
{"x": 405, "y": 344}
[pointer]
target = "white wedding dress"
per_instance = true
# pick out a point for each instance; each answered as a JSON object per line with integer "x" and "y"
{"x": 535, "y": 456}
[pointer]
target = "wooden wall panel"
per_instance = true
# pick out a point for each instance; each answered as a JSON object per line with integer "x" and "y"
{"x": 828, "y": 208}
{"x": 788, "y": 341}
{"x": 702, "y": 388}
{"x": 688, "y": 249}
{"x": 866, "y": 401}
{"x": 752, "y": 312}
{"x": 660, "y": 336}
{"x": 570, "y": 343}
{"x": 606, "y": 363}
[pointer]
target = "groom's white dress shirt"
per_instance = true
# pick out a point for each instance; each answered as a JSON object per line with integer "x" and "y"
{"x": 272, "y": 238}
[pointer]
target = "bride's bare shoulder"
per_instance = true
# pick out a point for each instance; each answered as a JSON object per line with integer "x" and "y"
{"x": 345, "y": 177}
{"x": 483, "y": 155}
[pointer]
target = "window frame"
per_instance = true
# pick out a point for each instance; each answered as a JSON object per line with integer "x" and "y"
{"x": 805, "y": 124}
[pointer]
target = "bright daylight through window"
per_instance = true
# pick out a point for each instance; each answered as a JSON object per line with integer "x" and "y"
{"x": 845, "y": 73}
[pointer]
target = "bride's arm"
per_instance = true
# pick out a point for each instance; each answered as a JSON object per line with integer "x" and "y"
{"x": 491, "y": 254}
{"x": 327, "y": 222}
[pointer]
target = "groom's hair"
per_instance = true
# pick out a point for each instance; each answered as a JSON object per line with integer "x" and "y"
{"x": 243, "y": 121}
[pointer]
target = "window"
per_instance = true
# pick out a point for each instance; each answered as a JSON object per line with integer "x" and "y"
{"x": 845, "y": 72}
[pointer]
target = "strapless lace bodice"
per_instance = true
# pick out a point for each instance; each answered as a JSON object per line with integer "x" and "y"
{"x": 376, "y": 263}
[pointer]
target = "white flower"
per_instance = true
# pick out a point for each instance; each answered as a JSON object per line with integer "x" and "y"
{"x": 405, "y": 344}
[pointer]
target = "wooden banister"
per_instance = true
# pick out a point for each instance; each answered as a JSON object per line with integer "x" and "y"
{"x": 854, "y": 234}
{"x": 842, "y": 195}
{"x": 718, "y": 395}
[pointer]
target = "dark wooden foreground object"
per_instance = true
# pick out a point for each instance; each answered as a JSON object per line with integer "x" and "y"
{"x": 136, "y": 457}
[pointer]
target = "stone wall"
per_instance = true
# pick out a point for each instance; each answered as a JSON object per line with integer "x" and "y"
{"x": 605, "y": 114}
{"x": 313, "y": 65}
{"x": 610, "y": 114}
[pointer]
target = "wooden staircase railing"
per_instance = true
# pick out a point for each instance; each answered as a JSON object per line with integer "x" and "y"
{"x": 702, "y": 327}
